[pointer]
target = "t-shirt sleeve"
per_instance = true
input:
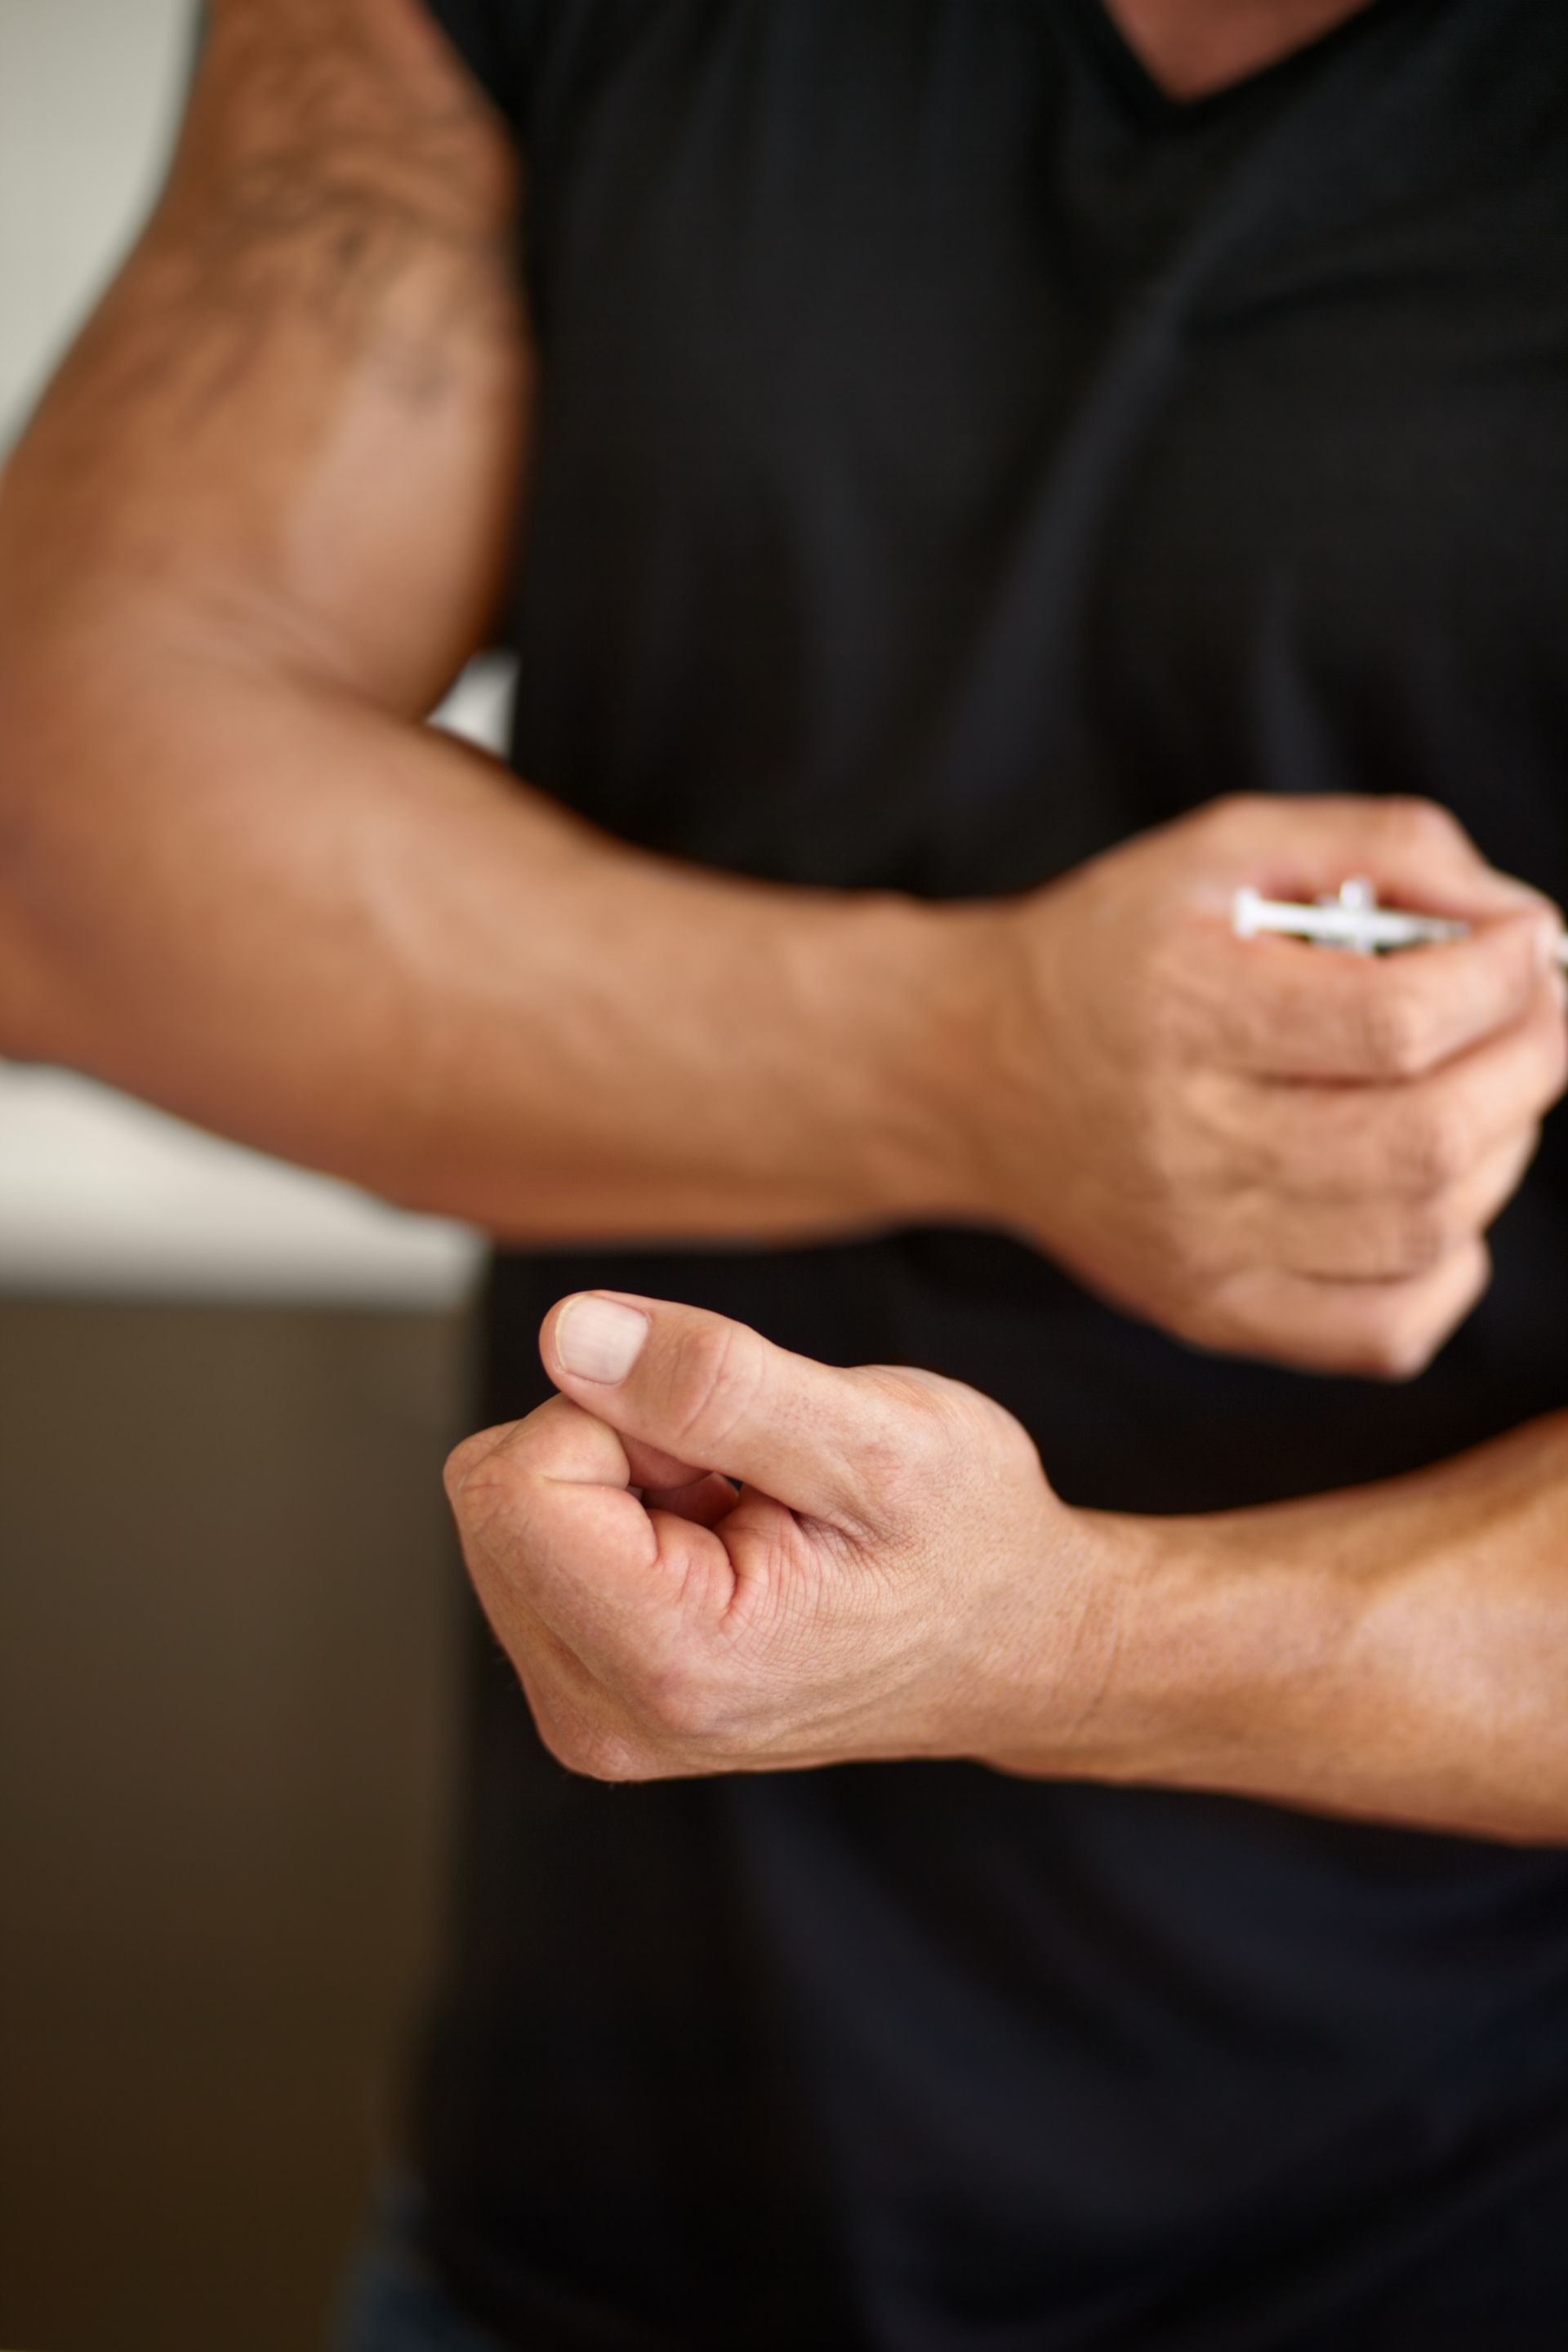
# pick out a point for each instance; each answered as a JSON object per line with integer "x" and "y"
{"x": 494, "y": 38}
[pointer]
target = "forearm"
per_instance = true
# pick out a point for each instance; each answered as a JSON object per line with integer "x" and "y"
{"x": 1398, "y": 1651}
{"x": 271, "y": 908}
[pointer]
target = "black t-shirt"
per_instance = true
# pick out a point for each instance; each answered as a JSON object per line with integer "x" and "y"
{"x": 954, "y": 458}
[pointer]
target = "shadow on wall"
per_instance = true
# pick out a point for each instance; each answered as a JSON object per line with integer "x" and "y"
{"x": 227, "y": 1616}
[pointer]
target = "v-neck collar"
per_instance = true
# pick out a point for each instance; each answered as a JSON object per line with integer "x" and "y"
{"x": 1148, "y": 95}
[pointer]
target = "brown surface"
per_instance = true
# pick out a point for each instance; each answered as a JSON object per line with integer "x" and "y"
{"x": 227, "y": 1603}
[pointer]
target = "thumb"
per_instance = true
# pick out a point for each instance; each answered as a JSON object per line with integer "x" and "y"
{"x": 713, "y": 1394}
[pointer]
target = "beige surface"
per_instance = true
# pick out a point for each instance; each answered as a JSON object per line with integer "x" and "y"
{"x": 90, "y": 90}
{"x": 226, "y": 1603}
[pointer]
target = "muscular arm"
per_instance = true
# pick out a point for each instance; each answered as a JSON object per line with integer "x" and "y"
{"x": 259, "y": 521}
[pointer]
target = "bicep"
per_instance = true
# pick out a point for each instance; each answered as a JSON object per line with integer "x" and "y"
{"x": 299, "y": 412}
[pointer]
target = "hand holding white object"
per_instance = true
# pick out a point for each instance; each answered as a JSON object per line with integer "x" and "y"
{"x": 1262, "y": 1148}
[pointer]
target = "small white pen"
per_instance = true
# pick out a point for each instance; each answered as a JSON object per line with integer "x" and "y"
{"x": 1352, "y": 920}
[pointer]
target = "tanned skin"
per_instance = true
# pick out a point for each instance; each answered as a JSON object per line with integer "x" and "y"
{"x": 896, "y": 1578}
{"x": 262, "y": 519}
{"x": 259, "y": 521}
{"x": 1197, "y": 47}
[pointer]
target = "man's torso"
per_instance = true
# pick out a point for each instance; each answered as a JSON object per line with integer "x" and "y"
{"x": 954, "y": 459}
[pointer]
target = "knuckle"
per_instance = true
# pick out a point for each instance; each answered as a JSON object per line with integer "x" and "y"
{"x": 1427, "y": 1231}
{"x": 930, "y": 1436}
{"x": 890, "y": 1460}
{"x": 1395, "y": 1023}
{"x": 1234, "y": 812}
{"x": 1399, "y": 1345}
{"x": 679, "y": 1706}
{"x": 1013, "y": 1450}
{"x": 615, "y": 1758}
{"x": 912, "y": 1441}
{"x": 494, "y": 1470}
{"x": 490, "y": 1501}
{"x": 1416, "y": 1318}
{"x": 915, "y": 1440}
{"x": 1231, "y": 1326}
{"x": 895, "y": 1467}
{"x": 1434, "y": 1148}
{"x": 462, "y": 1463}
{"x": 716, "y": 1376}
{"x": 1417, "y": 826}
{"x": 594, "y": 1752}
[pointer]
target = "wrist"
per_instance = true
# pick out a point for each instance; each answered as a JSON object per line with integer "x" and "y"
{"x": 1077, "y": 1687}
{"x": 975, "y": 1056}
{"x": 1194, "y": 1660}
{"x": 989, "y": 1063}
{"x": 1243, "y": 1665}
{"x": 901, "y": 996}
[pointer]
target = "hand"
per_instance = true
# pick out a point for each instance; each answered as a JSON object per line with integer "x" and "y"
{"x": 893, "y": 1566}
{"x": 1262, "y": 1146}
{"x": 896, "y": 1578}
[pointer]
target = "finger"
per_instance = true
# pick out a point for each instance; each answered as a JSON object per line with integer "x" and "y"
{"x": 557, "y": 1446}
{"x": 1390, "y": 1240}
{"x": 1415, "y": 853}
{"x": 656, "y": 1472}
{"x": 1418, "y": 1138}
{"x": 1380, "y": 1330}
{"x": 706, "y": 1501}
{"x": 466, "y": 1458}
{"x": 716, "y": 1394}
{"x": 1285, "y": 1009}
{"x": 551, "y": 1443}
{"x": 550, "y": 1524}
{"x": 559, "y": 1466}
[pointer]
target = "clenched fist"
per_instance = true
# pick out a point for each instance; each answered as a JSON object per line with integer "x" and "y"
{"x": 895, "y": 1577}
{"x": 1261, "y": 1146}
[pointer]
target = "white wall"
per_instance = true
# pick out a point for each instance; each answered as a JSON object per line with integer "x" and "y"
{"x": 89, "y": 93}
{"x": 98, "y": 1195}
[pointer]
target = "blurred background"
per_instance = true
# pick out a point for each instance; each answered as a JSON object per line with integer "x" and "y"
{"x": 228, "y": 1599}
